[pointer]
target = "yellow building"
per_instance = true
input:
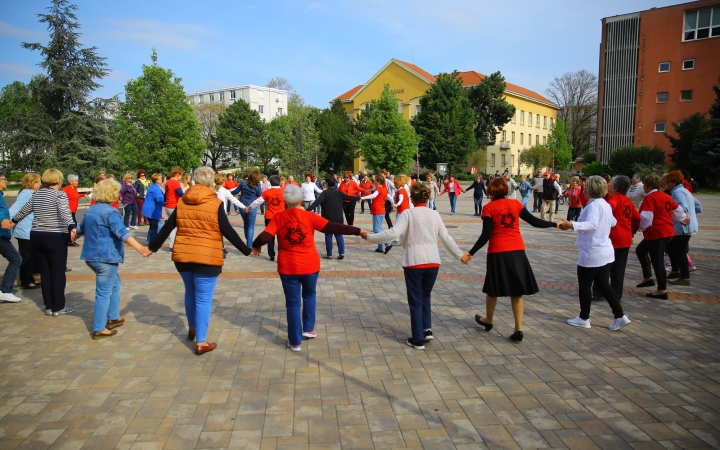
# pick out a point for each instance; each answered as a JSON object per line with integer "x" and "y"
{"x": 534, "y": 114}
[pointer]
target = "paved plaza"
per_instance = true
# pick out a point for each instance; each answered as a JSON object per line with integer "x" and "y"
{"x": 654, "y": 384}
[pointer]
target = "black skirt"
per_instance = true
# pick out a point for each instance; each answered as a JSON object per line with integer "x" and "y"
{"x": 509, "y": 275}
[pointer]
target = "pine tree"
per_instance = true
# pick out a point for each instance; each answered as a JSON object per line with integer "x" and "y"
{"x": 444, "y": 124}
{"x": 303, "y": 144}
{"x": 337, "y": 142}
{"x": 389, "y": 142}
{"x": 156, "y": 128}
{"x": 492, "y": 111}
{"x": 240, "y": 130}
{"x": 688, "y": 130}
{"x": 706, "y": 148}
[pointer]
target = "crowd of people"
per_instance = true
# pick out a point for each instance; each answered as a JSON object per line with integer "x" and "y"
{"x": 191, "y": 212}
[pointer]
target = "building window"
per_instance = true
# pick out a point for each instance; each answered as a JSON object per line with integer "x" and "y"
{"x": 512, "y": 137}
{"x": 659, "y": 127}
{"x": 492, "y": 160}
{"x": 222, "y": 95}
{"x": 521, "y": 138}
{"x": 502, "y": 160}
{"x": 529, "y": 119}
{"x": 551, "y": 122}
{"x": 512, "y": 160}
{"x": 685, "y": 96}
{"x": 544, "y": 121}
{"x": 261, "y": 109}
{"x": 418, "y": 108}
{"x": 529, "y": 139}
{"x": 513, "y": 118}
{"x": 232, "y": 95}
{"x": 537, "y": 120}
{"x": 280, "y": 113}
{"x": 212, "y": 97}
{"x": 664, "y": 67}
{"x": 191, "y": 100}
{"x": 522, "y": 117}
{"x": 544, "y": 140}
{"x": 689, "y": 64}
{"x": 702, "y": 23}
{"x": 537, "y": 139}
{"x": 662, "y": 97}
{"x": 503, "y": 134}
{"x": 202, "y": 98}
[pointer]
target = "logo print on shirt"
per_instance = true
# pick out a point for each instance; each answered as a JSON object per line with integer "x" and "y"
{"x": 294, "y": 236}
{"x": 668, "y": 207}
{"x": 507, "y": 219}
{"x": 274, "y": 201}
{"x": 627, "y": 212}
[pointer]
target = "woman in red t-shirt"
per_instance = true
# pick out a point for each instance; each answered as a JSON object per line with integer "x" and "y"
{"x": 366, "y": 185}
{"x": 348, "y": 186}
{"x": 508, "y": 270}
{"x": 657, "y": 212}
{"x": 402, "y": 194}
{"x": 298, "y": 261}
{"x": 230, "y": 184}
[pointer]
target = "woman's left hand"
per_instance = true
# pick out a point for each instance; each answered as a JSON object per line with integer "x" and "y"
{"x": 255, "y": 251}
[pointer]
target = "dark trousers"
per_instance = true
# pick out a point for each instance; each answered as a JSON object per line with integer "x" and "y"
{"x": 271, "y": 244}
{"x": 599, "y": 276}
{"x": 388, "y": 210}
{"x": 27, "y": 268}
{"x": 362, "y": 205}
{"x": 140, "y": 202}
{"x": 349, "y": 210}
{"x": 419, "y": 284}
{"x": 152, "y": 229}
{"x": 678, "y": 249}
{"x": 617, "y": 273}
{"x": 477, "y": 200}
{"x": 131, "y": 210}
{"x": 651, "y": 253}
{"x": 51, "y": 254}
{"x": 8, "y": 251}
{"x": 537, "y": 201}
{"x": 573, "y": 213}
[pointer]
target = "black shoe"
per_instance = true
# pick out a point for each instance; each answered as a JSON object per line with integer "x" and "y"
{"x": 67, "y": 269}
{"x": 327, "y": 257}
{"x": 659, "y": 296}
{"x": 73, "y": 244}
{"x": 415, "y": 344}
{"x": 488, "y": 326}
{"x": 272, "y": 258}
{"x": 646, "y": 284}
{"x": 428, "y": 335}
{"x": 517, "y": 336}
{"x": 387, "y": 249}
{"x": 597, "y": 299}
{"x": 377, "y": 250}
{"x": 341, "y": 257}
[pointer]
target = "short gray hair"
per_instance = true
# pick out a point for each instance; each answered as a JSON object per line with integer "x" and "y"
{"x": 637, "y": 175}
{"x": 293, "y": 195}
{"x": 72, "y": 177}
{"x": 596, "y": 186}
{"x": 204, "y": 175}
{"x": 620, "y": 183}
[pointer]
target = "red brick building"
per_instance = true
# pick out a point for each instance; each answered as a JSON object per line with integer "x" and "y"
{"x": 656, "y": 67}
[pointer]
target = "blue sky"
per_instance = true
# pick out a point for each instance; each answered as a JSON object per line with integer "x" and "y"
{"x": 323, "y": 48}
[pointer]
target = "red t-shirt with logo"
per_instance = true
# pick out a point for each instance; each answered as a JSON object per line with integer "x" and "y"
{"x": 274, "y": 200}
{"x": 405, "y": 203}
{"x": 628, "y": 220}
{"x": 662, "y": 207}
{"x": 171, "y": 197}
{"x": 505, "y": 215}
{"x": 351, "y": 188}
{"x": 377, "y": 205}
{"x": 295, "y": 231}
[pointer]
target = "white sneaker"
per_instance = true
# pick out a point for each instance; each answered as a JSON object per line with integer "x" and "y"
{"x": 578, "y": 322}
{"x": 133, "y": 227}
{"x": 9, "y": 297}
{"x": 66, "y": 310}
{"x": 619, "y": 323}
{"x": 48, "y": 312}
{"x": 310, "y": 335}
{"x": 293, "y": 348}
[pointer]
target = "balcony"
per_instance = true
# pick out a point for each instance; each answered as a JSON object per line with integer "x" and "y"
{"x": 505, "y": 145}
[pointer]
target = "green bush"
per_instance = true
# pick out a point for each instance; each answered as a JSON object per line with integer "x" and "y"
{"x": 596, "y": 168}
{"x": 589, "y": 157}
{"x": 627, "y": 159}
{"x": 15, "y": 176}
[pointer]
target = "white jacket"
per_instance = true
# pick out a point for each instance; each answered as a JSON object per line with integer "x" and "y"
{"x": 418, "y": 230}
{"x": 225, "y": 195}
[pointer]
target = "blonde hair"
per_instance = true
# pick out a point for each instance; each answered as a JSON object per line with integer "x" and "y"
{"x": 107, "y": 191}
{"x": 29, "y": 180}
{"x": 128, "y": 176}
{"x": 219, "y": 180}
{"x": 51, "y": 177}
{"x": 155, "y": 177}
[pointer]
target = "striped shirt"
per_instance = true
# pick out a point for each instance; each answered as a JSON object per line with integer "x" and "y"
{"x": 52, "y": 211}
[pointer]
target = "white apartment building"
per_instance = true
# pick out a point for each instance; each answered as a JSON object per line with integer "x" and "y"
{"x": 268, "y": 102}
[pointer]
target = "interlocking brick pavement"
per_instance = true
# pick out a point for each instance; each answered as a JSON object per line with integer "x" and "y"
{"x": 654, "y": 384}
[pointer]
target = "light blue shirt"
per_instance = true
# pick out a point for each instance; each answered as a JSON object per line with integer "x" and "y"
{"x": 22, "y": 229}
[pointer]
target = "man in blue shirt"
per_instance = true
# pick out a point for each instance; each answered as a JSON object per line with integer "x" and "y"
{"x": 7, "y": 249}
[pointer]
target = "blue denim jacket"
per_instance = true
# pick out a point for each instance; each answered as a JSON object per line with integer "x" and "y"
{"x": 691, "y": 205}
{"x": 22, "y": 228}
{"x": 105, "y": 234}
{"x": 4, "y": 214}
{"x": 247, "y": 194}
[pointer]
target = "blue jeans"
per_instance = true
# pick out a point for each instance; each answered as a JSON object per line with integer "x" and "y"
{"x": 419, "y": 284}
{"x": 525, "y": 201}
{"x": 131, "y": 209}
{"x": 431, "y": 204}
{"x": 249, "y": 225}
{"x": 199, "y": 289}
{"x": 297, "y": 287}
{"x": 453, "y": 200}
{"x": 340, "y": 243}
{"x": 478, "y": 204}
{"x": 152, "y": 229}
{"x": 107, "y": 293}
{"x": 377, "y": 227}
{"x": 8, "y": 251}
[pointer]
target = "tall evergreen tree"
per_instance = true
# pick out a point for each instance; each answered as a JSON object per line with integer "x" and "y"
{"x": 156, "y": 128}
{"x": 558, "y": 144}
{"x": 492, "y": 111}
{"x": 444, "y": 124}
{"x": 240, "y": 131}
{"x": 706, "y": 148}
{"x": 389, "y": 142}
{"x": 337, "y": 141}
{"x": 304, "y": 143}
{"x": 74, "y": 136}
{"x": 688, "y": 130}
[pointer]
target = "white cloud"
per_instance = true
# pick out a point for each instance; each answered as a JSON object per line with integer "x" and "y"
{"x": 150, "y": 33}
{"x": 18, "y": 69}
{"x": 22, "y": 34}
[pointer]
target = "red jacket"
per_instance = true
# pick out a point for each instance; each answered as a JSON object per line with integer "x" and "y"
{"x": 350, "y": 188}
{"x": 458, "y": 188}
{"x": 575, "y": 196}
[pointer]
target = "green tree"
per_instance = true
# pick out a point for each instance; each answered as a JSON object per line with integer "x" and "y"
{"x": 706, "y": 148}
{"x": 537, "y": 157}
{"x": 689, "y": 129}
{"x": 478, "y": 159}
{"x": 156, "y": 128}
{"x": 596, "y": 168}
{"x": 626, "y": 159}
{"x": 240, "y": 131}
{"x": 558, "y": 144}
{"x": 492, "y": 111}
{"x": 303, "y": 143}
{"x": 445, "y": 122}
{"x": 589, "y": 157}
{"x": 389, "y": 142}
{"x": 362, "y": 120}
{"x": 337, "y": 141}
{"x": 576, "y": 95}
{"x": 22, "y": 119}
{"x": 208, "y": 116}
{"x": 276, "y": 139}
{"x": 66, "y": 127}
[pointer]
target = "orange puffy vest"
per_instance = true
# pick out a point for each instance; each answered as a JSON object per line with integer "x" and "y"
{"x": 198, "y": 238}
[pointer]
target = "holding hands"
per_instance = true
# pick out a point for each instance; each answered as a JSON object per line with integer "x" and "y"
{"x": 364, "y": 234}
{"x": 466, "y": 258}
{"x": 255, "y": 251}
{"x": 7, "y": 224}
{"x": 146, "y": 252}
{"x": 564, "y": 225}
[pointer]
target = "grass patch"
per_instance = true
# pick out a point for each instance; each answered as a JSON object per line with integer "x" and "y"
{"x": 709, "y": 191}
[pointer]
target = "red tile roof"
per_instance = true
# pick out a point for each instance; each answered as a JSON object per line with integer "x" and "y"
{"x": 418, "y": 70}
{"x": 471, "y": 78}
{"x": 349, "y": 94}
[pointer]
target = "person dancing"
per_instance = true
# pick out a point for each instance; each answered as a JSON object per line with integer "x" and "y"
{"x": 380, "y": 199}
{"x": 678, "y": 247}
{"x": 508, "y": 270}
